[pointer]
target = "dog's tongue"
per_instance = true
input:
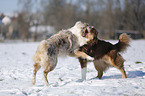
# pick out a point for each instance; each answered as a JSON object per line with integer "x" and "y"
{"x": 92, "y": 27}
{"x": 84, "y": 33}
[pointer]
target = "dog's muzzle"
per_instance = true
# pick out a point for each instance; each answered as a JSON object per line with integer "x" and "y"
{"x": 85, "y": 32}
{"x": 89, "y": 29}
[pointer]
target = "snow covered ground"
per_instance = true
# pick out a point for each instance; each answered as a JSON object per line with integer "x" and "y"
{"x": 16, "y": 68}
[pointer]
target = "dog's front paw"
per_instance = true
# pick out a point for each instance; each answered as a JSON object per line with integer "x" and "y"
{"x": 90, "y": 58}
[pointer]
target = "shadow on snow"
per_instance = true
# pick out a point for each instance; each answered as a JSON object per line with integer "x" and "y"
{"x": 130, "y": 74}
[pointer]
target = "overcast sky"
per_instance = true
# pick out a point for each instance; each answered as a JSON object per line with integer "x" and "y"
{"x": 8, "y": 6}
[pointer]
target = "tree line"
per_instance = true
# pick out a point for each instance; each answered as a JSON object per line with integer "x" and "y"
{"x": 106, "y": 16}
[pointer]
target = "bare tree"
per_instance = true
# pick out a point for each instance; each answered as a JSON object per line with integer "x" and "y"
{"x": 106, "y": 15}
{"x": 134, "y": 15}
{"x": 24, "y": 18}
{"x": 138, "y": 7}
{"x": 23, "y": 26}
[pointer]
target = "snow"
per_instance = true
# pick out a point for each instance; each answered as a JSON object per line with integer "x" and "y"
{"x": 16, "y": 68}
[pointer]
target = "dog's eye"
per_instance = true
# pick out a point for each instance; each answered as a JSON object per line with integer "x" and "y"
{"x": 87, "y": 24}
{"x": 93, "y": 30}
{"x": 83, "y": 28}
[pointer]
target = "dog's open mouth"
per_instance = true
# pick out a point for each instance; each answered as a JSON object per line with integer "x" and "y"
{"x": 85, "y": 32}
{"x": 90, "y": 29}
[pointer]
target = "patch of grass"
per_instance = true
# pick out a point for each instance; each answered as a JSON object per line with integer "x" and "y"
{"x": 15, "y": 78}
{"x": 141, "y": 68}
{"x": 129, "y": 65}
{"x": 89, "y": 71}
{"x": 24, "y": 53}
{"x": 138, "y": 62}
{"x": 1, "y": 79}
{"x": 60, "y": 79}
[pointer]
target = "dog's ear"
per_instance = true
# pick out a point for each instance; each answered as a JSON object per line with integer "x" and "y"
{"x": 78, "y": 23}
{"x": 95, "y": 32}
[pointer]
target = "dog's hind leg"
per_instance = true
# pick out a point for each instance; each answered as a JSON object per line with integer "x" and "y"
{"x": 118, "y": 63}
{"x": 116, "y": 60}
{"x": 50, "y": 66}
{"x": 45, "y": 72}
{"x": 36, "y": 68}
{"x": 123, "y": 72}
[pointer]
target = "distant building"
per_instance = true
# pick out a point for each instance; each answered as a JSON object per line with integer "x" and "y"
{"x": 6, "y": 20}
{"x": 133, "y": 34}
{"x": 43, "y": 32}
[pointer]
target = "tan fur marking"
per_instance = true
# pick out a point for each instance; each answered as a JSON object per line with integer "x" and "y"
{"x": 82, "y": 54}
{"x": 123, "y": 73}
{"x": 89, "y": 36}
{"x": 111, "y": 62}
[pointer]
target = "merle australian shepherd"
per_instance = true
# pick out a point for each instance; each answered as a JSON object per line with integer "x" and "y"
{"x": 105, "y": 54}
{"x": 65, "y": 42}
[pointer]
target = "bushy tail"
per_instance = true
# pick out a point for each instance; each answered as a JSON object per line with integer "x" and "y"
{"x": 123, "y": 43}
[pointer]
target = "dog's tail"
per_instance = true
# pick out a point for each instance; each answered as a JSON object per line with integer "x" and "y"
{"x": 123, "y": 43}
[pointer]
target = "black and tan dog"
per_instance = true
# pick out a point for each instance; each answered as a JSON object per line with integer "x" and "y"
{"x": 105, "y": 54}
{"x": 65, "y": 42}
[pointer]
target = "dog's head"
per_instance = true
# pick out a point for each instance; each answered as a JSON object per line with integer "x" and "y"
{"x": 87, "y": 31}
{"x": 83, "y": 31}
{"x": 90, "y": 32}
{"x": 80, "y": 25}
